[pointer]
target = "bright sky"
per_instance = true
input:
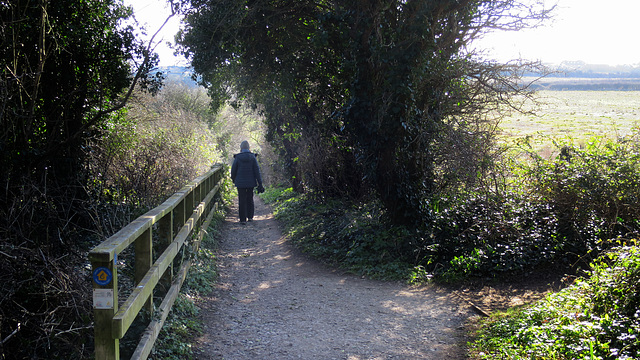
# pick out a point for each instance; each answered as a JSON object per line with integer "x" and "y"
{"x": 594, "y": 31}
{"x": 153, "y": 13}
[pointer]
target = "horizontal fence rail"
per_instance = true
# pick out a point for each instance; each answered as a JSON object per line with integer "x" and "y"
{"x": 170, "y": 230}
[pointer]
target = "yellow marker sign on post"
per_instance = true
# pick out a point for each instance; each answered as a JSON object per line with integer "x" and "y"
{"x": 102, "y": 276}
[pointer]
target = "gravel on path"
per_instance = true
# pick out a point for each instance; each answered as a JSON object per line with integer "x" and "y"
{"x": 273, "y": 302}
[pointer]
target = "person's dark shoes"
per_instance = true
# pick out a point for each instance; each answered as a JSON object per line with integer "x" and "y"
{"x": 250, "y": 219}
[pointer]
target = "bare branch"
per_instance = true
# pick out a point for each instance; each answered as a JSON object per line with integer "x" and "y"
{"x": 12, "y": 334}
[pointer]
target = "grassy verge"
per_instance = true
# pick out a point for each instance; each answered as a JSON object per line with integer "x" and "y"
{"x": 597, "y": 317}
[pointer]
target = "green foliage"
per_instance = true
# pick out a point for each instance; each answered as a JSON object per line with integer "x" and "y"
{"x": 227, "y": 188}
{"x": 276, "y": 194}
{"x": 560, "y": 210}
{"x": 360, "y": 96}
{"x": 595, "y": 318}
{"x": 490, "y": 236}
{"x": 351, "y": 235}
{"x": 479, "y": 233}
{"x": 184, "y": 324}
{"x": 593, "y": 190}
{"x": 65, "y": 68}
{"x": 153, "y": 148}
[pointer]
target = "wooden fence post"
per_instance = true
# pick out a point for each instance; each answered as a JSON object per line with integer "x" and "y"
{"x": 143, "y": 261}
{"x": 166, "y": 231}
{"x": 105, "y": 305}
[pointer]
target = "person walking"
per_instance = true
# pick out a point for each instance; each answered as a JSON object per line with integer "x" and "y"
{"x": 245, "y": 174}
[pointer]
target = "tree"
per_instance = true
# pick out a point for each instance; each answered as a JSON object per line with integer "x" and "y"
{"x": 388, "y": 86}
{"x": 66, "y": 67}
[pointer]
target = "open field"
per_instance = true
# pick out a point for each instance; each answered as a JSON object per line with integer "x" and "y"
{"x": 576, "y": 114}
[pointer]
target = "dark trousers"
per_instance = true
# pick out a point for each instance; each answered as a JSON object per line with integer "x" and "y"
{"x": 245, "y": 203}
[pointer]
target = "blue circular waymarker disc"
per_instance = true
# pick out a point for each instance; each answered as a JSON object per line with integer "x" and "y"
{"x": 102, "y": 276}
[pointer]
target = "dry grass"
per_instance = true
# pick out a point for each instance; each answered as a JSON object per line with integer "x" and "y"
{"x": 576, "y": 114}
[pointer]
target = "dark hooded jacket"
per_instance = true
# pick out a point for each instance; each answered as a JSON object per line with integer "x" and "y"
{"x": 245, "y": 172}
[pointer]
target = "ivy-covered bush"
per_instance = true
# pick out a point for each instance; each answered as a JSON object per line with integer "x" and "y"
{"x": 354, "y": 235}
{"x": 553, "y": 210}
{"x": 560, "y": 211}
{"x": 490, "y": 235}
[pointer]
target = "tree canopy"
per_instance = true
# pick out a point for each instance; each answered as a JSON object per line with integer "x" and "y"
{"x": 65, "y": 65}
{"x": 369, "y": 94}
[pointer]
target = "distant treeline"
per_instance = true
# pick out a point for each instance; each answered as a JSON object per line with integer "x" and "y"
{"x": 580, "y": 69}
{"x": 569, "y": 76}
{"x": 179, "y": 74}
{"x": 579, "y": 76}
{"x": 584, "y": 84}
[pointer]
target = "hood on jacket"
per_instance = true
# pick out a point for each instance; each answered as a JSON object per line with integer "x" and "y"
{"x": 244, "y": 157}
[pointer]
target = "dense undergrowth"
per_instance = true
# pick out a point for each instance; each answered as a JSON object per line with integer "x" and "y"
{"x": 353, "y": 235}
{"x": 559, "y": 211}
{"x": 597, "y": 317}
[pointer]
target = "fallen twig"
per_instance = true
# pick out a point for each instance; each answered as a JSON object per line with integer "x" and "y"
{"x": 475, "y": 307}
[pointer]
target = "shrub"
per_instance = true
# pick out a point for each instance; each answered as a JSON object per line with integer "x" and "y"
{"x": 353, "y": 235}
{"x": 595, "y": 318}
{"x": 556, "y": 211}
{"x": 276, "y": 194}
{"x": 489, "y": 236}
{"x": 151, "y": 151}
{"x": 593, "y": 191}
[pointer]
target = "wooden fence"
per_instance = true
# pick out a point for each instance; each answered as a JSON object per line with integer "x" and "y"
{"x": 172, "y": 229}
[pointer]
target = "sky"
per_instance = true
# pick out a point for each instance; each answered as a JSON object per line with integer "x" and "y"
{"x": 593, "y": 31}
{"x": 152, "y": 13}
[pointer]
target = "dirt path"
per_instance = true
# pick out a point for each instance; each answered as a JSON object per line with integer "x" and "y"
{"x": 273, "y": 302}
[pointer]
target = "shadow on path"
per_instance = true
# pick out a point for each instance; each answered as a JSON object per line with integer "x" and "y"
{"x": 272, "y": 302}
